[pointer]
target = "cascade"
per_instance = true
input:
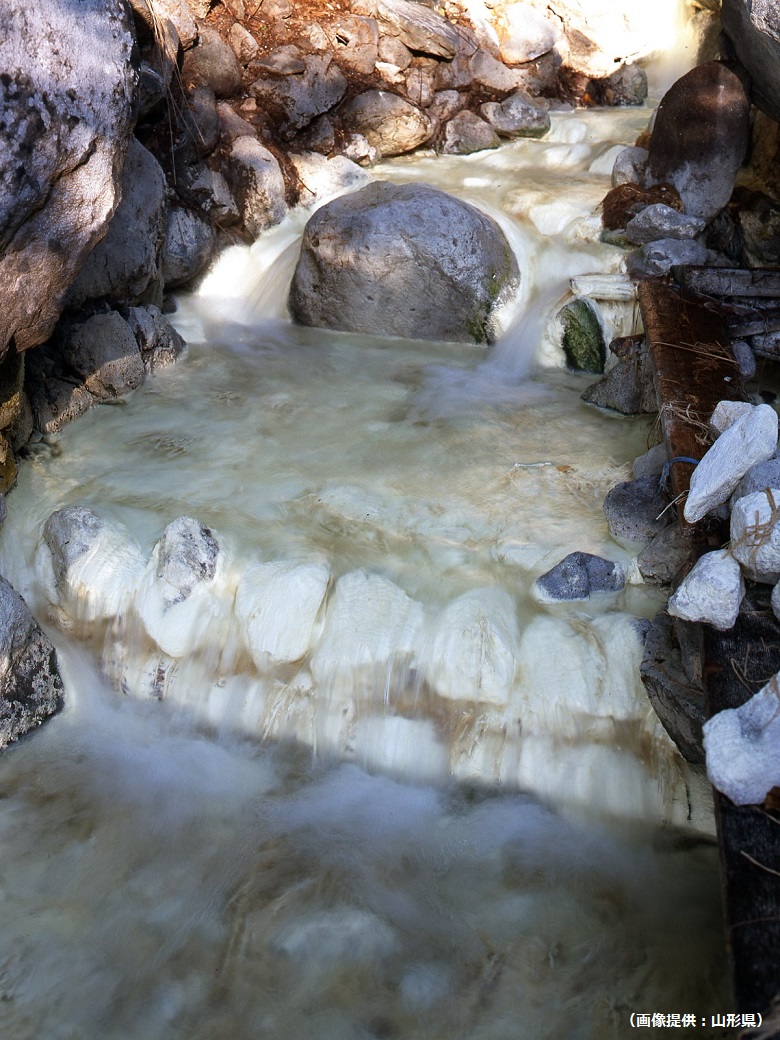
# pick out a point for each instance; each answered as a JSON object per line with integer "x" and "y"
{"x": 359, "y": 782}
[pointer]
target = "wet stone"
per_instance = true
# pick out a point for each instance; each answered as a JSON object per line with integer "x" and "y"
{"x": 636, "y": 511}
{"x": 578, "y": 576}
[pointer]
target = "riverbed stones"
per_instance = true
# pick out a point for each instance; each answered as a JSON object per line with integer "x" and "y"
{"x": 466, "y": 133}
{"x": 711, "y": 592}
{"x": 189, "y": 245}
{"x": 578, "y": 576}
{"x": 661, "y": 559}
{"x": 296, "y": 97}
{"x": 390, "y": 124}
{"x": 661, "y": 221}
{"x": 417, "y": 26}
{"x": 159, "y": 343}
{"x": 762, "y": 475}
{"x": 213, "y": 64}
{"x": 706, "y": 113}
{"x": 258, "y": 185}
{"x": 103, "y": 351}
{"x": 748, "y": 441}
{"x": 402, "y": 260}
{"x": 636, "y": 511}
{"x": 517, "y": 116}
{"x": 65, "y": 129}
{"x": 31, "y": 688}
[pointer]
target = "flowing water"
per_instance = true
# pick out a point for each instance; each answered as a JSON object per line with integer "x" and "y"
{"x": 364, "y": 785}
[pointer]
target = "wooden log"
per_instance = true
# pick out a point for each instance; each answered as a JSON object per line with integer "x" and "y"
{"x": 738, "y": 663}
{"x": 694, "y": 369}
{"x": 729, "y": 281}
{"x": 754, "y": 324}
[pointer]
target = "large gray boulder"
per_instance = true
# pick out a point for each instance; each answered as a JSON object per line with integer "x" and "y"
{"x": 213, "y": 64}
{"x": 30, "y": 684}
{"x": 65, "y": 128}
{"x": 103, "y": 351}
{"x": 125, "y": 265}
{"x": 754, "y": 29}
{"x": 257, "y": 183}
{"x": 403, "y": 260}
{"x": 700, "y": 137}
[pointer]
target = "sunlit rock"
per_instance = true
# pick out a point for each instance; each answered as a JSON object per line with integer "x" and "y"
{"x": 257, "y": 183}
{"x": 278, "y": 604}
{"x": 321, "y": 178}
{"x": 755, "y": 534}
{"x": 474, "y": 646}
{"x": 417, "y": 26}
{"x": 524, "y": 34}
{"x": 661, "y": 221}
{"x": 390, "y": 260}
{"x": 726, "y": 414}
{"x": 389, "y": 123}
{"x": 213, "y": 63}
{"x": 466, "y": 133}
{"x": 741, "y": 746}
{"x": 517, "y": 116}
{"x": 711, "y": 592}
{"x": 749, "y": 440}
{"x": 31, "y": 688}
{"x": 90, "y": 567}
{"x": 630, "y": 166}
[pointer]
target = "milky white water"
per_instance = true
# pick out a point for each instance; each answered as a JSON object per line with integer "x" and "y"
{"x": 397, "y": 797}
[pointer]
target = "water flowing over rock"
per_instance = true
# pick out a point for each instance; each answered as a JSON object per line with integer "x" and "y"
{"x": 402, "y": 261}
{"x": 30, "y": 681}
{"x": 65, "y": 127}
{"x": 700, "y": 137}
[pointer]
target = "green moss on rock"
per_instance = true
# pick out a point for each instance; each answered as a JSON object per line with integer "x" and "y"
{"x": 583, "y": 338}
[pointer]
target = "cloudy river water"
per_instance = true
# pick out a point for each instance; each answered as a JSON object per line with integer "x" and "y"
{"x": 369, "y": 787}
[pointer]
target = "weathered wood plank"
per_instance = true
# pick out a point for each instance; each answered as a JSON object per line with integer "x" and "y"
{"x": 738, "y": 664}
{"x": 694, "y": 369}
{"x": 729, "y": 281}
{"x": 754, "y": 324}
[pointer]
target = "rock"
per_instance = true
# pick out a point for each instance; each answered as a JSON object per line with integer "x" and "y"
{"x": 320, "y": 178}
{"x": 751, "y": 439}
{"x": 630, "y": 166}
{"x": 390, "y": 124}
{"x": 181, "y": 16}
{"x": 159, "y": 343}
{"x": 658, "y": 258}
{"x": 200, "y": 120}
{"x": 466, "y": 133}
{"x": 745, "y": 358}
{"x": 415, "y": 25}
{"x": 393, "y": 52}
{"x": 318, "y": 136}
{"x": 762, "y": 475}
{"x": 678, "y": 702}
{"x": 755, "y": 534}
{"x": 517, "y": 116}
{"x": 402, "y": 260}
{"x": 209, "y": 190}
{"x": 660, "y": 221}
{"x": 758, "y": 219}
{"x": 475, "y": 648}
{"x": 754, "y": 30}
{"x": 741, "y": 744}
{"x": 278, "y": 604}
{"x": 174, "y": 592}
{"x": 89, "y": 567}
{"x": 457, "y": 74}
{"x": 11, "y": 388}
{"x": 583, "y": 337}
{"x": 627, "y": 387}
{"x": 711, "y": 592}
{"x": 231, "y": 125}
{"x": 189, "y": 245}
{"x": 577, "y": 577}
{"x": 354, "y": 42}
{"x": 446, "y": 104}
{"x": 660, "y": 561}
{"x": 54, "y": 400}
{"x": 524, "y": 34}
{"x": 357, "y": 149}
{"x": 65, "y": 127}
{"x": 419, "y": 83}
{"x": 295, "y": 99}
{"x": 245, "y": 46}
{"x": 32, "y": 689}
{"x": 726, "y": 414}
{"x": 704, "y": 115}
{"x": 125, "y": 267}
{"x": 636, "y": 511}
{"x": 651, "y": 464}
{"x": 626, "y": 86}
{"x": 257, "y": 183}
{"x": 104, "y": 353}
{"x": 213, "y": 64}
{"x": 488, "y": 72}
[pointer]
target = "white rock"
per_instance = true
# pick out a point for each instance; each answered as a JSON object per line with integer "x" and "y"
{"x": 278, "y": 604}
{"x": 742, "y": 747}
{"x": 726, "y": 414}
{"x": 474, "y": 648}
{"x": 750, "y": 439}
{"x": 321, "y": 178}
{"x": 711, "y": 592}
{"x": 630, "y": 166}
{"x": 755, "y": 539}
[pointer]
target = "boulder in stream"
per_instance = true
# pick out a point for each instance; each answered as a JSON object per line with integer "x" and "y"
{"x": 403, "y": 260}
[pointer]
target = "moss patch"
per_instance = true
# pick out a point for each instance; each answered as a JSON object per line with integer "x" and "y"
{"x": 583, "y": 340}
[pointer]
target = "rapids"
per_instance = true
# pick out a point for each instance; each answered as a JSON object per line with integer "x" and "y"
{"x": 449, "y": 811}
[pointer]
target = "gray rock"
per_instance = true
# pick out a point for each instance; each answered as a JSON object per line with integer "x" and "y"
{"x": 296, "y": 99}
{"x": 390, "y": 124}
{"x": 65, "y": 127}
{"x": 213, "y": 64}
{"x": 318, "y": 136}
{"x": 200, "y": 120}
{"x": 658, "y": 258}
{"x": 181, "y": 16}
{"x": 758, "y": 219}
{"x": 446, "y": 104}
{"x": 630, "y": 166}
{"x": 458, "y": 74}
{"x": 354, "y": 41}
{"x": 402, "y": 260}
{"x": 636, "y": 511}
{"x": 651, "y": 464}
{"x": 583, "y": 337}
{"x": 104, "y": 353}
{"x": 517, "y": 116}
{"x": 626, "y": 86}
{"x": 125, "y": 267}
{"x": 356, "y": 148}
{"x": 30, "y": 682}
{"x": 419, "y": 27}
{"x": 745, "y": 358}
{"x": 54, "y": 401}
{"x": 159, "y": 343}
{"x": 419, "y": 84}
{"x": 257, "y": 183}
{"x": 660, "y": 561}
{"x": 466, "y": 133}
{"x": 755, "y": 535}
{"x": 711, "y": 592}
{"x": 493, "y": 75}
{"x": 659, "y": 221}
{"x": 391, "y": 50}
{"x": 762, "y": 475}
{"x": 754, "y": 29}
{"x": 245, "y": 46}
{"x": 320, "y": 178}
{"x": 189, "y": 245}
{"x": 700, "y": 137}
{"x": 187, "y": 556}
{"x": 209, "y": 190}
{"x": 231, "y": 125}
{"x": 627, "y": 387}
{"x": 68, "y": 534}
{"x": 577, "y": 577}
